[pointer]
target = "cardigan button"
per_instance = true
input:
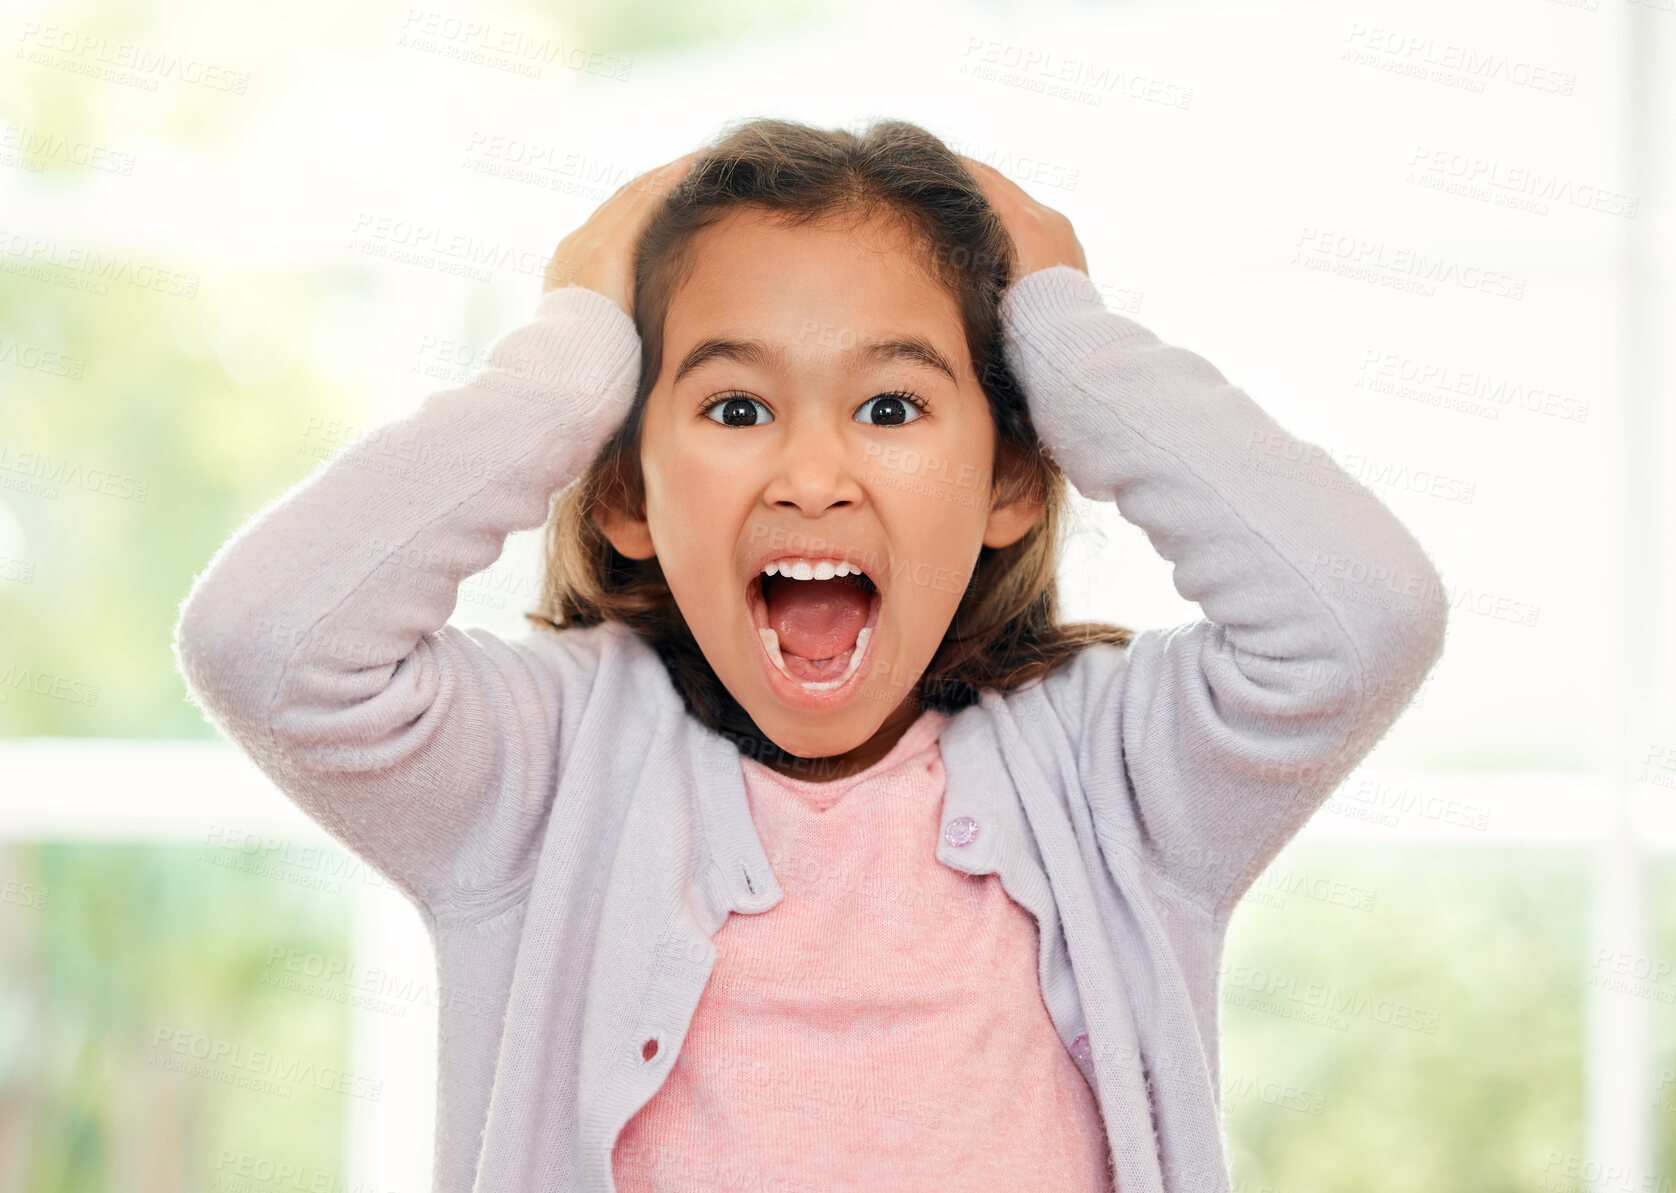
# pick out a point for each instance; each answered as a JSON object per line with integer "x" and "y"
{"x": 961, "y": 831}
{"x": 1081, "y": 1051}
{"x": 648, "y": 1050}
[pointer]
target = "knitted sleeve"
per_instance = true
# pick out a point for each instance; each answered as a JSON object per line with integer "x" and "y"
{"x": 316, "y": 638}
{"x": 1207, "y": 746}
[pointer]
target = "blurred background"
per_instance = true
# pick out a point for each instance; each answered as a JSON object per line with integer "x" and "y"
{"x": 1433, "y": 238}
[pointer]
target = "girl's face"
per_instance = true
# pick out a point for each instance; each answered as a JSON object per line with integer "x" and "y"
{"x": 783, "y": 424}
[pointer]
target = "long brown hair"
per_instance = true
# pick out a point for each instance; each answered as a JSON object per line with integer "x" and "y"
{"x": 1005, "y": 631}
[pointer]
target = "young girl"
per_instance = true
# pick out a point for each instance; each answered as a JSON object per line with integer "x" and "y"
{"x": 800, "y": 847}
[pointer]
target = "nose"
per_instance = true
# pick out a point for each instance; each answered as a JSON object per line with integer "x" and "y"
{"x": 814, "y": 467}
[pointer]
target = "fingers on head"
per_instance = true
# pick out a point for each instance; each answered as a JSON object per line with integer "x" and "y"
{"x": 656, "y": 183}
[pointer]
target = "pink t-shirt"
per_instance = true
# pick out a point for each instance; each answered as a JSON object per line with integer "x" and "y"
{"x": 880, "y": 1028}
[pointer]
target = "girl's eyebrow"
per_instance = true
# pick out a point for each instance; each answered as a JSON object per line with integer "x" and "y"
{"x": 908, "y": 349}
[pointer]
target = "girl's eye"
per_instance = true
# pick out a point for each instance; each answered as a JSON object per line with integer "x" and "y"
{"x": 892, "y": 409}
{"x": 736, "y": 411}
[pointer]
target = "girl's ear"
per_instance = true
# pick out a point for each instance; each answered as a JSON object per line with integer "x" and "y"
{"x": 1019, "y": 504}
{"x": 632, "y": 537}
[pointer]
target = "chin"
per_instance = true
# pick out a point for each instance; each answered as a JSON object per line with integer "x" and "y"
{"x": 804, "y": 740}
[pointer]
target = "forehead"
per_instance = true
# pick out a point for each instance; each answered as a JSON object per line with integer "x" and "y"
{"x": 842, "y": 279}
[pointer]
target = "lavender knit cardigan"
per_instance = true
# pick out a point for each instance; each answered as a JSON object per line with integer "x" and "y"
{"x": 572, "y": 837}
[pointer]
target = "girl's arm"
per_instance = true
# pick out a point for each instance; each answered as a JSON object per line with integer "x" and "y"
{"x": 317, "y": 637}
{"x": 1322, "y": 613}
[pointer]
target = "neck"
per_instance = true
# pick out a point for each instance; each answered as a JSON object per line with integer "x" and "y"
{"x": 851, "y": 762}
{"x": 712, "y": 705}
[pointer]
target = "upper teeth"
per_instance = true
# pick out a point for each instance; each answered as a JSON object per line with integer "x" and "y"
{"x": 805, "y": 569}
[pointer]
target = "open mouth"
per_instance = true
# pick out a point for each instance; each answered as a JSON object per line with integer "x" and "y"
{"x": 814, "y": 623}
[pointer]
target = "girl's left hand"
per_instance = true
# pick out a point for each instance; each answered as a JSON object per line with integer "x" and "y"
{"x": 1041, "y": 236}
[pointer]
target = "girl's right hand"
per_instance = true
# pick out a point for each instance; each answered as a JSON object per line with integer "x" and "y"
{"x": 599, "y": 255}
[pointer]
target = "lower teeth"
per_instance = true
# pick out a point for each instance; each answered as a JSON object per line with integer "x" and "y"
{"x": 771, "y": 643}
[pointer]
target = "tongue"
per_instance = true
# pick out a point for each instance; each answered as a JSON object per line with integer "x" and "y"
{"x": 816, "y": 619}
